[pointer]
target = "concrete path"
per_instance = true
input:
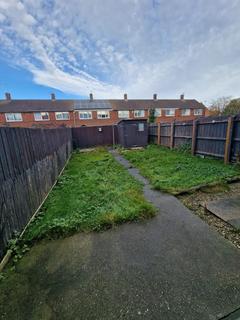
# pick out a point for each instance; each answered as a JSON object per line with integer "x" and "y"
{"x": 170, "y": 267}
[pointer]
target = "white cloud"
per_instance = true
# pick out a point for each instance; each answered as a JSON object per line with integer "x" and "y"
{"x": 140, "y": 47}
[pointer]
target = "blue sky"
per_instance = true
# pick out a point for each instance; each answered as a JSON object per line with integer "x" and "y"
{"x": 110, "y": 47}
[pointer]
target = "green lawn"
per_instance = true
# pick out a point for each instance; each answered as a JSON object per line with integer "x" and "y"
{"x": 94, "y": 192}
{"x": 174, "y": 171}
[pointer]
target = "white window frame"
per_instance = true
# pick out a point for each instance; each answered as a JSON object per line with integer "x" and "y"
{"x": 170, "y": 114}
{"x": 158, "y": 112}
{"x": 139, "y": 113}
{"x": 123, "y": 114}
{"x": 14, "y": 115}
{"x": 62, "y": 116}
{"x": 103, "y": 114}
{"x": 41, "y": 113}
{"x": 83, "y": 113}
{"x": 186, "y": 112}
{"x": 198, "y": 112}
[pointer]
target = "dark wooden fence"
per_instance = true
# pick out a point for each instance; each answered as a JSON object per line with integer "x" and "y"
{"x": 85, "y": 137}
{"x": 30, "y": 162}
{"x": 211, "y": 136}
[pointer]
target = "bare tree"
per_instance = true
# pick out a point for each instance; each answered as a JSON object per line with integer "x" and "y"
{"x": 218, "y": 106}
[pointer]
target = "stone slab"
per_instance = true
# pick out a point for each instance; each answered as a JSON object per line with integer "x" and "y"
{"x": 227, "y": 209}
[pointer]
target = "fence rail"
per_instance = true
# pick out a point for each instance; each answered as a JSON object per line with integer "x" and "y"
{"x": 30, "y": 162}
{"x": 212, "y": 136}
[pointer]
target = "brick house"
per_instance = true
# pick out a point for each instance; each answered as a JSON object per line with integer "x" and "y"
{"x": 90, "y": 112}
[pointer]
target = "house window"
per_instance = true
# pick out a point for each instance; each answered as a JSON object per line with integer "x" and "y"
{"x": 186, "y": 112}
{"x": 85, "y": 115}
{"x": 138, "y": 113}
{"x": 41, "y": 116}
{"x": 62, "y": 115}
{"x": 169, "y": 112}
{"x": 13, "y": 117}
{"x": 103, "y": 114}
{"x": 158, "y": 112}
{"x": 198, "y": 112}
{"x": 123, "y": 114}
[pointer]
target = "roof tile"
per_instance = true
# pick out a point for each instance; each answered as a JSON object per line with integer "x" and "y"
{"x": 68, "y": 105}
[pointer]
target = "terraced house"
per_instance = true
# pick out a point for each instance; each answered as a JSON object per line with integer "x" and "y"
{"x": 94, "y": 112}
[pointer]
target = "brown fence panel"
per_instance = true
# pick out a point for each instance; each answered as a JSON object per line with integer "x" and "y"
{"x": 30, "y": 162}
{"x": 210, "y": 136}
{"x": 235, "y": 150}
{"x": 183, "y": 133}
{"x": 85, "y": 137}
{"x": 152, "y": 132}
{"x": 165, "y": 134}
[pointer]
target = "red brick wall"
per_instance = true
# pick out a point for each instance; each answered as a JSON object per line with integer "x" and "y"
{"x": 29, "y": 121}
{"x": 74, "y": 121}
{"x": 95, "y": 121}
{"x": 178, "y": 116}
{"x": 98, "y": 122}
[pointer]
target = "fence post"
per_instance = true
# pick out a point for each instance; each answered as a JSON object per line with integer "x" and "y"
{"x": 113, "y": 135}
{"x": 172, "y": 135}
{"x": 228, "y": 143}
{"x": 194, "y": 136}
{"x": 159, "y": 134}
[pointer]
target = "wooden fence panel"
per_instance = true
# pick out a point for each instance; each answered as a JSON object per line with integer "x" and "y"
{"x": 30, "y": 162}
{"x": 153, "y": 133}
{"x": 85, "y": 137}
{"x": 183, "y": 133}
{"x": 235, "y": 150}
{"x": 153, "y": 129}
{"x": 210, "y": 136}
{"x": 165, "y": 134}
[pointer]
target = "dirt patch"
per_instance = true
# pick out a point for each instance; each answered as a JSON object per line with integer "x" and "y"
{"x": 196, "y": 202}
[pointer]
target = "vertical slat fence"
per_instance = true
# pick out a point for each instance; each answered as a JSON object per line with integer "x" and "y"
{"x": 86, "y": 137}
{"x": 211, "y": 136}
{"x": 30, "y": 162}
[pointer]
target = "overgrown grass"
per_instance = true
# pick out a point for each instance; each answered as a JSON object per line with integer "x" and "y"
{"x": 93, "y": 193}
{"x": 174, "y": 171}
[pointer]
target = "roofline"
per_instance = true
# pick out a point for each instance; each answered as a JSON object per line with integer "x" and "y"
{"x": 94, "y": 100}
{"x": 74, "y": 105}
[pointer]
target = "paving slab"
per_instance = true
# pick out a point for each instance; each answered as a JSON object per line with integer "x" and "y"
{"x": 171, "y": 267}
{"x": 227, "y": 209}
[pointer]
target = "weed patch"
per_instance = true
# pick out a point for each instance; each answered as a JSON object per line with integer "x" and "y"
{"x": 173, "y": 171}
{"x": 95, "y": 192}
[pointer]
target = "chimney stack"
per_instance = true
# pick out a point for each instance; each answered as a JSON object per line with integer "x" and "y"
{"x": 182, "y": 96}
{"x": 8, "y": 96}
{"x": 91, "y": 97}
{"x": 154, "y": 96}
{"x": 125, "y": 96}
{"x": 53, "y": 96}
